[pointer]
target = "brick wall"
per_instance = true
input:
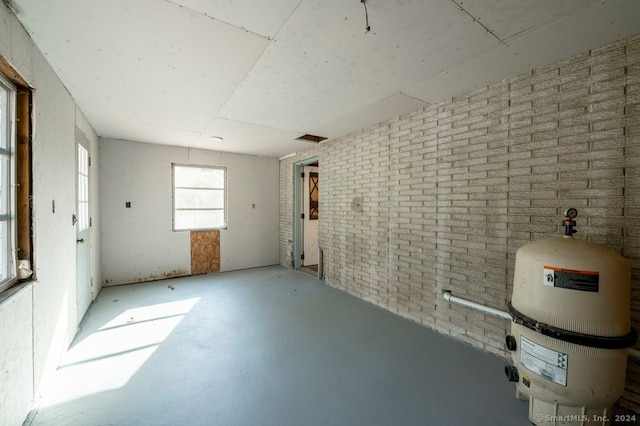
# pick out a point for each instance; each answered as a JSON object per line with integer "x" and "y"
{"x": 450, "y": 192}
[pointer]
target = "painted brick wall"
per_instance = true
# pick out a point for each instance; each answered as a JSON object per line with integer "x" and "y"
{"x": 450, "y": 192}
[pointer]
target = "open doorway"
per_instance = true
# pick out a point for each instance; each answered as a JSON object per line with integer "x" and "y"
{"x": 307, "y": 253}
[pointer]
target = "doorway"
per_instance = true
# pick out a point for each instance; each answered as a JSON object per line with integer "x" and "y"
{"x": 306, "y": 249}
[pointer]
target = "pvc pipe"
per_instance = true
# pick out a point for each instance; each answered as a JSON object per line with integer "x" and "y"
{"x": 482, "y": 308}
{"x": 320, "y": 263}
{"x": 634, "y": 353}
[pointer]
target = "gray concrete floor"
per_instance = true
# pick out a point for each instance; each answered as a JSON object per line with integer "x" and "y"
{"x": 267, "y": 346}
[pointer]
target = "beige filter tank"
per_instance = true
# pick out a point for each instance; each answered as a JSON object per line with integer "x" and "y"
{"x": 571, "y": 329}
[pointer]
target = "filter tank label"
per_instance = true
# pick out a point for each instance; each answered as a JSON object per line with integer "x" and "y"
{"x": 544, "y": 362}
{"x": 572, "y": 279}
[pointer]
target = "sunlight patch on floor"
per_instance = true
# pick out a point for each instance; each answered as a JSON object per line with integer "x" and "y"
{"x": 110, "y": 356}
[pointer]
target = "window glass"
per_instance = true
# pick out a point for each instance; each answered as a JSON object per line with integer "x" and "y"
{"x": 83, "y": 188}
{"x": 7, "y": 187}
{"x": 199, "y": 197}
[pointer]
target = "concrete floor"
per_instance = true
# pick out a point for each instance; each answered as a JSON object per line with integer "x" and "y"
{"x": 267, "y": 346}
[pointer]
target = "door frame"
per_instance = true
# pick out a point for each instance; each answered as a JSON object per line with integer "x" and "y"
{"x": 298, "y": 233}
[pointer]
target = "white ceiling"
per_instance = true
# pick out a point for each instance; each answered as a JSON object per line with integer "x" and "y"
{"x": 261, "y": 74}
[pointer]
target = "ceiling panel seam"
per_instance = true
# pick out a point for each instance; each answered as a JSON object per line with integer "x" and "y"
{"x": 400, "y": 92}
{"x": 271, "y": 40}
{"x": 295, "y": 9}
{"x": 476, "y": 20}
{"x": 216, "y": 19}
{"x": 13, "y": 7}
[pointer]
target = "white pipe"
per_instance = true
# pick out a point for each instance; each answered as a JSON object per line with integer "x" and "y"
{"x": 634, "y": 353}
{"x": 320, "y": 263}
{"x": 486, "y": 309}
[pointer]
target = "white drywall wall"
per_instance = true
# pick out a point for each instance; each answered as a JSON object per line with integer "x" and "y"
{"x": 54, "y": 176}
{"x": 16, "y": 373}
{"x": 138, "y": 243}
{"x": 38, "y": 322}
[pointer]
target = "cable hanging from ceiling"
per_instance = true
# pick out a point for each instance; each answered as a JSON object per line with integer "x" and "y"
{"x": 366, "y": 16}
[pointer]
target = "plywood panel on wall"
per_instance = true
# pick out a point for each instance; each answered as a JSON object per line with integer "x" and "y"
{"x": 205, "y": 252}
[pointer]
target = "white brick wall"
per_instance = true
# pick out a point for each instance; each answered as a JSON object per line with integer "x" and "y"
{"x": 451, "y": 192}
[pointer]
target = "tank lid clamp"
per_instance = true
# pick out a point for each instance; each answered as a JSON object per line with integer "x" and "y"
{"x": 603, "y": 342}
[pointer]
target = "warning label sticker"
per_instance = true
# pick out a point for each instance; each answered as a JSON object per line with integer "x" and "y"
{"x": 571, "y": 279}
{"x": 544, "y": 362}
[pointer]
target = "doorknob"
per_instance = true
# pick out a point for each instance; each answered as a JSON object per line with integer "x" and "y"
{"x": 81, "y": 240}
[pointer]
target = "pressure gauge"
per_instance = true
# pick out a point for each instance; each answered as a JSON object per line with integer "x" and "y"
{"x": 571, "y": 213}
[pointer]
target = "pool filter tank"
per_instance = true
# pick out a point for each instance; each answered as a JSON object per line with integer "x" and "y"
{"x": 571, "y": 329}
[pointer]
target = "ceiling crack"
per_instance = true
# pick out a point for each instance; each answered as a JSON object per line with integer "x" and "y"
{"x": 478, "y": 21}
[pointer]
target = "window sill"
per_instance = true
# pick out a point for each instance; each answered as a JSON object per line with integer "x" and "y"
{"x": 13, "y": 290}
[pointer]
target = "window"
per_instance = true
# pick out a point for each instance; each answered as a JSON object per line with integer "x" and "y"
{"x": 313, "y": 196}
{"x": 7, "y": 184}
{"x": 199, "y": 197}
{"x": 83, "y": 188}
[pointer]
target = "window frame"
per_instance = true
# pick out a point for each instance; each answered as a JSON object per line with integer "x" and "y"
{"x": 10, "y": 187}
{"x": 173, "y": 197}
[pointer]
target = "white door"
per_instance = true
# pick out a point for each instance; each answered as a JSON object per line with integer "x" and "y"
{"x": 83, "y": 223}
{"x": 310, "y": 220}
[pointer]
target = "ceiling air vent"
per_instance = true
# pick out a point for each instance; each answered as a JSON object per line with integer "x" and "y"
{"x": 311, "y": 138}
